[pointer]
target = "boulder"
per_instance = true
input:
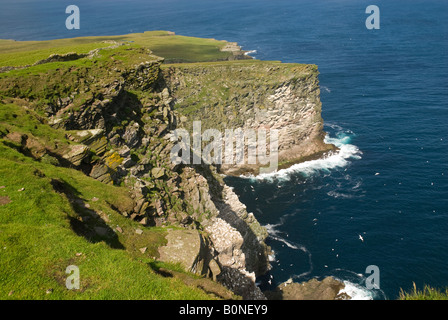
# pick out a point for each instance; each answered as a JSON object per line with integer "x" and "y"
{"x": 326, "y": 289}
{"x": 76, "y": 154}
{"x": 88, "y": 136}
{"x": 131, "y": 135}
{"x": 101, "y": 173}
{"x": 188, "y": 248}
{"x": 99, "y": 145}
{"x": 112, "y": 159}
{"x": 157, "y": 173}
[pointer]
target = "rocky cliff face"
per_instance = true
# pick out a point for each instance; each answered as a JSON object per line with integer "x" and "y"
{"x": 327, "y": 289}
{"x": 119, "y": 109}
{"x": 253, "y": 95}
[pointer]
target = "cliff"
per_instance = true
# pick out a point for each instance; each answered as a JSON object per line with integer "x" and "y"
{"x": 250, "y": 95}
{"x": 110, "y": 115}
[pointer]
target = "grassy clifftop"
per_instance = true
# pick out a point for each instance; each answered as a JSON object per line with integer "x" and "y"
{"x": 173, "y": 48}
{"x": 225, "y": 95}
{"x": 86, "y": 177}
{"x": 67, "y": 196}
{"x": 44, "y": 211}
{"x": 53, "y": 214}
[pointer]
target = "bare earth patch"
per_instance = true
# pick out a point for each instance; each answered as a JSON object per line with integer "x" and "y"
{"x": 4, "y": 200}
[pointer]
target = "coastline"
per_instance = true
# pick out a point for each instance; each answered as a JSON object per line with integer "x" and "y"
{"x": 116, "y": 147}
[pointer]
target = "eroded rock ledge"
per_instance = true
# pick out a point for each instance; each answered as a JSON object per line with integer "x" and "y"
{"x": 250, "y": 96}
{"x": 327, "y": 289}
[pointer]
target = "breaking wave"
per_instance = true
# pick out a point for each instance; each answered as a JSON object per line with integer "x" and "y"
{"x": 355, "y": 285}
{"x": 249, "y": 53}
{"x": 274, "y": 234}
{"x": 339, "y": 159}
{"x": 356, "y": 292}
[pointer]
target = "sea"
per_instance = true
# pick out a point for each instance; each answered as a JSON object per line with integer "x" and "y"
{"x": 373, "y": 215}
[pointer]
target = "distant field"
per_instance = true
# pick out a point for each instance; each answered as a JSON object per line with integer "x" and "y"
{"x": 173, "y": 48}
{"x": 17, "y": 54}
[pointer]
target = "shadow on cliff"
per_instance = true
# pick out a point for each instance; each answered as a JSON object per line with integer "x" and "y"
{"x": 255, "y": 251}
{"x": 87, "y": 222}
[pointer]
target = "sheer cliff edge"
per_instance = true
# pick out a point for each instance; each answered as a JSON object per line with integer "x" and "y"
{"x": 107, "y": 107}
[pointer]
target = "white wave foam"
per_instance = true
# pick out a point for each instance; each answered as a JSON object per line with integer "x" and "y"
{"x": 357, "y": 185}
{"x": 248, "y": 53}
{"x": 274, "y": 234}
{"x": 270, "y": 228}
{"x": 289, "y": 244}
{"x": 355, "y": 285}
{"x": 326, "y": 89}
{"x": 356, "y": 292}
{"x": 336, "y": 195}
{"x": 338, "y": 159}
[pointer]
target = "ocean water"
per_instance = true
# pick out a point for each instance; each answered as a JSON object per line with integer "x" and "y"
{"x": 383, "y": 199}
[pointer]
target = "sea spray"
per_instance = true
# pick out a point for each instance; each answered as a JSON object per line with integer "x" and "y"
{"x": 338, "y": 159}
{"x": 275, "y": 235}
{"x": 356, "y": 292}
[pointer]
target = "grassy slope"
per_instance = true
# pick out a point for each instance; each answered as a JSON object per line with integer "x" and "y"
{"x": 41, "y": 227}
{"x": 428, "y": 293}
{"x": 173, "y": 48}
{"x": 12, "y": 51}
{"x": 38, "y": 239}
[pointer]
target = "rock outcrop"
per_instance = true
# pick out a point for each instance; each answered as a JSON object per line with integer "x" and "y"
{"x": 119, "y": 114}
{"x": 235, "y": 49}
{"x": 327, "y": 289}
{"x": 191, "y": 250}
{"x": 120, "y": 139}
{"x": 251, "y": 96}
{"x": 76, "y": 154}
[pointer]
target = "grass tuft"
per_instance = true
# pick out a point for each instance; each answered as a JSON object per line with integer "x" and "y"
{"x": 428, "y": 293}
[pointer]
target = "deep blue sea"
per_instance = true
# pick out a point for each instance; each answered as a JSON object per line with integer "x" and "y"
{"x": 383, "y": 200}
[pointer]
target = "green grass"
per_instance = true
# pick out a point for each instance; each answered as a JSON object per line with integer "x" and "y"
{"x": 184, "y": 49}
{"x": 38, "y": 242}
{"x": 428, "y": 293}
{"x": 11, "y": 51}
{"x": 42, "y": 85}
{"x": 210, "y": 90}
{"x": 47, "y": 212}
{"x": 43, "y": 229}
{"x": 173, "y": 48}
{"x": 18, "y": 119}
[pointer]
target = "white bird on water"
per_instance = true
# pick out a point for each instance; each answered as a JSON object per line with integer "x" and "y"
{"x": 361, "y": 238}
